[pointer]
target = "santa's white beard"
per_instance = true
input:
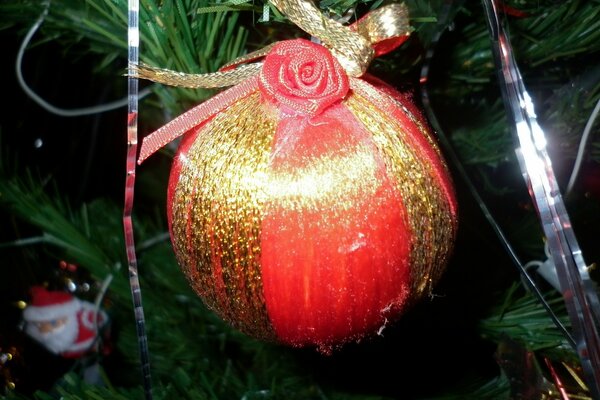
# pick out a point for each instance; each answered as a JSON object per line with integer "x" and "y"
{"x": 58, "y": 340}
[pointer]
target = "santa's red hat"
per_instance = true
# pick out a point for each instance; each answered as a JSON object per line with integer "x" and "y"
{"x": 47, "y": 305}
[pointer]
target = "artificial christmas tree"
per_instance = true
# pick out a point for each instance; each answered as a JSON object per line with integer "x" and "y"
{"x": 445, "y": 344}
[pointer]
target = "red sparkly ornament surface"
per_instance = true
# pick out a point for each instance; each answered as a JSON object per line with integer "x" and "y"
{"x": 332, "y": 263}
{"x": 315, "y": 209}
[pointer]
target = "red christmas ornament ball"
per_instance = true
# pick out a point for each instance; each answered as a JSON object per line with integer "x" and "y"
{"x": 314, "y": 209}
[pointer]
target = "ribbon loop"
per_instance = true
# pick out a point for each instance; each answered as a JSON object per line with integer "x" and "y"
{"x": 385, "y": 28}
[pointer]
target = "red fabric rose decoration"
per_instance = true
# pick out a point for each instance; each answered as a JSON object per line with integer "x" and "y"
{"x": 302, "y": 76}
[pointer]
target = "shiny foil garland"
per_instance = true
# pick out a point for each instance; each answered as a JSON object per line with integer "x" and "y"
{"x": 308, "y": 206}
{"x": 579, "y": 291}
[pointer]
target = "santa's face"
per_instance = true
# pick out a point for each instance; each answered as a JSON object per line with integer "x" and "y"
{"x": 57, "y": 335}
{"x": 51, "y": 325}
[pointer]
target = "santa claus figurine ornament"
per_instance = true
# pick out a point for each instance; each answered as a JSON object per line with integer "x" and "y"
{"x": 309, "y": 203}
{"x": 62, "y": 323}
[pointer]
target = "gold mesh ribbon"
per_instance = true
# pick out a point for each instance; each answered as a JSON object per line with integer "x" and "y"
{"x": 383, "y": 24}
{"x": 194, "y": 81}
{"x": 354, "y": 46}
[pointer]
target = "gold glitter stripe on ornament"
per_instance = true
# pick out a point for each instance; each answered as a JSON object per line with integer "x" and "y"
{"x": 217, "y": 213}
{"x": 428, "y": 212}
{"x": 428, "y": 134}
{"x": 330, "y": 181}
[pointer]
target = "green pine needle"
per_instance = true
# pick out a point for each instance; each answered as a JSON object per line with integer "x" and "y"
{"x": 524, "y": 319}
{"x": 172, "y": 35}
{"x": 28, "y": 200}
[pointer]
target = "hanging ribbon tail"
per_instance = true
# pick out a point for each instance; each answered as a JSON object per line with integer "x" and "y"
{"x": 385, "y": 28}
{"x": 195, "y": 117}
{"x": 223, "y": 78}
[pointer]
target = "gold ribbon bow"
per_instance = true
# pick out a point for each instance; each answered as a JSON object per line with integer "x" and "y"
{"x": 354, "y": 46}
